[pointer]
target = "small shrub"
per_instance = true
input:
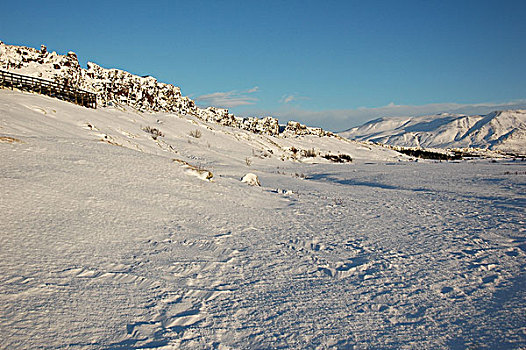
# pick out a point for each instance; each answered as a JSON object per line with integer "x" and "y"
{"x": 425, "y": 154}
{"x": 345, "y": 158}
{"x": 248, "y": 161}
{"x": 153, "y": 131}
{"x": 196, "y": 133}
{"x": 310, "y": 153}
{"x": 338, "y": 158}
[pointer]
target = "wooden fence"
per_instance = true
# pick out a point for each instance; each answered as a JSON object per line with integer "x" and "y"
{"x": 49, "y": 88}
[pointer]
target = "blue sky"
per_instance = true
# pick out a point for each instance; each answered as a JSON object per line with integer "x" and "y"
{"x": 334, "y": 64}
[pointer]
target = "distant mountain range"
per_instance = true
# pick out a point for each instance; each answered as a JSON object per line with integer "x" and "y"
{"x": 499, "y": 131}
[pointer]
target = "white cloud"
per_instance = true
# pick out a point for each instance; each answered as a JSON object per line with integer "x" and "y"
{"x": 291, "y": 97}
{"x": 286, "y": 98}
{"x": 229, "y": 99}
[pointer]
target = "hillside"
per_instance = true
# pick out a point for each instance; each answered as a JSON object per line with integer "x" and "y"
{"x": 502, "y": 130}
{"x": 173, "y": 135}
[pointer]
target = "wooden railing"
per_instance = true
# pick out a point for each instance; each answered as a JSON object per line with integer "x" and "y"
{"x": 49, "y": 88}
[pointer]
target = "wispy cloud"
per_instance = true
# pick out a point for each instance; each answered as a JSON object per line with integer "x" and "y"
{"x": 291, "y": 97}
{"x": 338, "y": 120}
{"x": 229, "y": 99}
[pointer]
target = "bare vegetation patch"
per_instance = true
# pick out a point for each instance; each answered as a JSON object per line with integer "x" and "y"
{"x": 154, "y": 132}
{"x": 198, "y": 170}
{"x": 338, "y": 158}
{"x": 8, "y": 139}
{"x": 309, "y": 153}
{"x": 196, "y": 133}
{"x": 110, "y": 141}
{"x": 426, "y": 154}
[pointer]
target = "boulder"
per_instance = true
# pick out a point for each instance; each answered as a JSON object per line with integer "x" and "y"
{"x": 251, "y": 179}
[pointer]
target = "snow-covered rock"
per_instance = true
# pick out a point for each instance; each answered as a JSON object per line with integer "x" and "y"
{"x": 500, "y": 131}
{"x": 251, "y": 179}
{"x": 266, "y": 125}
{"x": 110, "y": 85}
{"x": 295, "y": 128}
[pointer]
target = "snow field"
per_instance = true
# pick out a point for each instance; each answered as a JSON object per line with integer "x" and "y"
{"x": 106, "y": 242}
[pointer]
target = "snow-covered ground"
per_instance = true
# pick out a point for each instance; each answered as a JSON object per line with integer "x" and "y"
{"x": 109, "y": 241}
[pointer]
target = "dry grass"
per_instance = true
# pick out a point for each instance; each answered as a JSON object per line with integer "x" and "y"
{"x": 309, "y": 153}
{"x": 154, "y": 132}
{"x": 8, "y": 139}
{"x": 110, "y": 142}
{"x": 189, "y": 166}
{"x": 196, "y": 133}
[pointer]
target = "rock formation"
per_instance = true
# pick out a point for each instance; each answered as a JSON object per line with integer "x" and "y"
{"x": 146, "y": 94}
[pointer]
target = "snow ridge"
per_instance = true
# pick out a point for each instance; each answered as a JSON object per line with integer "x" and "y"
{"x": 499, "y": 131}
{"x": 146, "y": 94}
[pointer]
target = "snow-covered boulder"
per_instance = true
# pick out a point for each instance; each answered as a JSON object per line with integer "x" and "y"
{"x": 295, "y": 128}
{"x": 266, "y": 125}
{"x": 251, "y": 179}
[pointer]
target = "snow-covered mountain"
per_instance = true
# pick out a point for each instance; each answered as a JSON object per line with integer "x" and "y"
{"x": 501, "y": 130}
